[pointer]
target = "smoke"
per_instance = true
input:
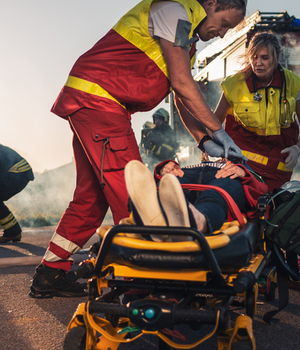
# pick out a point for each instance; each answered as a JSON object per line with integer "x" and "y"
{"x": 44, "y": 200}
{"x": 289, "y": 58}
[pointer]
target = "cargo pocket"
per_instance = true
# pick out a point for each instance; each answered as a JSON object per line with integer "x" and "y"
{"x": 116, "y": 154}
{"x": 249, "y": 114}
{"x": 113, "y": 150}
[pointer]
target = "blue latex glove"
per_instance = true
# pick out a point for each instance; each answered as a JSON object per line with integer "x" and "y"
{"x": 215, "y": 150}
{"x": 222, "y": 138}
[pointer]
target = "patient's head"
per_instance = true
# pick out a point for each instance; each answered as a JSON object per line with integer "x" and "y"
{"x": 171, "y": 168}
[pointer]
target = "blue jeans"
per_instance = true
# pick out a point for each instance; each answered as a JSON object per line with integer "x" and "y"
{"x": 209, "y": 202}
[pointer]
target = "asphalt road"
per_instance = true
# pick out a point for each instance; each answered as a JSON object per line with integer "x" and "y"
{"x": 40, "y": 324}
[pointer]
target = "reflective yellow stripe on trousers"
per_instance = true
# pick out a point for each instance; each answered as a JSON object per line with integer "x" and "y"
{"x": 258, "y": 158}
{"x": 90, "y": 88}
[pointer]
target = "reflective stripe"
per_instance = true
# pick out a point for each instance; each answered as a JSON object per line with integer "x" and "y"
{"x": 51, "y": 257}
{"x": 263, "y": 160}
{"x": 281, "y": 166}
{"x": 90, "y": 88}
{"x": 9, "y": 224}
{"x": 133, "y": 26}
{"x": 256, "y": 157}
{"x": 64, "y": 243}
{"x": 158, "y": 151}
{"x": 145, "y": 46}
{"x": 20, "y": 167}
{"x": 6, "y": 219}
{"x": 168, "y": 147}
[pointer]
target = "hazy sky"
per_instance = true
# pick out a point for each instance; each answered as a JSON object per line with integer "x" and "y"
{"x": 40, "y": 41}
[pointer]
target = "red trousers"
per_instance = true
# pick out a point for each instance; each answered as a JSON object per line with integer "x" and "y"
{"x": 103, "y": 143}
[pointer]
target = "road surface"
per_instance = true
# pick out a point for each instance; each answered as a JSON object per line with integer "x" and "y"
{"x": 40, "y": 324}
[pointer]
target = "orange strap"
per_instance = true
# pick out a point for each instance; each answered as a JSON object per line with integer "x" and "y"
{"x": 232, "y": 206}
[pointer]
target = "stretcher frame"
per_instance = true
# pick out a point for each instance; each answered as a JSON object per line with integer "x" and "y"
{"x": 105, "y": 323}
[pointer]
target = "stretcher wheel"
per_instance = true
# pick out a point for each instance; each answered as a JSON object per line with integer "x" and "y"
{"x": 241, "y": 345}
{"x": 75, "y": 339}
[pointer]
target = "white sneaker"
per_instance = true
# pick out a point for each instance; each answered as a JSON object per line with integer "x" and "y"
{"x": 141, "y": 188}
{"x": 173, "y": 201}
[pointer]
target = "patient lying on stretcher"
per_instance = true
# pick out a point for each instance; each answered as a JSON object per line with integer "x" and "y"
{"x": 171, "y": 206}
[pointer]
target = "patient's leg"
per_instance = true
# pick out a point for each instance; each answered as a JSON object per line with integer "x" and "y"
{"x": 142, "y": 191}
{"x": 200, "y": 219}
{"x": 214, "y": 207}
{"x": 173, "y": 201}
{"x": 176, "y": 206}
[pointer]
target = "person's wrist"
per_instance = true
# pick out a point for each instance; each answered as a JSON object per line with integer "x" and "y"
{"x": 202, "y": 141}
{"x": 297, "y": 148}
{"x": 217, "y": 131}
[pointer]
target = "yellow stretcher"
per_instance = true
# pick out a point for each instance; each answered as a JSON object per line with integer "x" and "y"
{"x": 193, "y": 282}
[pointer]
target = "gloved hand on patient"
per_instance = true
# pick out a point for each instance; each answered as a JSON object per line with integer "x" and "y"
{"x": 223, "y": 146}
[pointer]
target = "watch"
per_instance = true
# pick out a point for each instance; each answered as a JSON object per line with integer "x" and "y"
{"x": 201, "y": 143}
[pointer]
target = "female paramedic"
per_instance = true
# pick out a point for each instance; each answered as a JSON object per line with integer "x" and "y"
{"x": 131, "y": 69}
{"x": 259, "y": 104}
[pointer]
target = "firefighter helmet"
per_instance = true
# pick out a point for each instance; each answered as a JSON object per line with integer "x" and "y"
{"x": 162, "y": 114}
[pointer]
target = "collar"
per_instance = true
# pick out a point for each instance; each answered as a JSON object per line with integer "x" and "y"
{"x": 276, "y": 82}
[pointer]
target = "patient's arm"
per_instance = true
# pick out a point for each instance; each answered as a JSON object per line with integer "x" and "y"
{"x": 171, "y": 168}
{"x": 230, "y": 170}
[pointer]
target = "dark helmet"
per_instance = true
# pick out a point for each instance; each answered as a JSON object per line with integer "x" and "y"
{"x": 161, "y": 113}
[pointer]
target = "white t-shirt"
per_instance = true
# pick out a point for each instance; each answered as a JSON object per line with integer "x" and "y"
{"x": 163, "y": 20}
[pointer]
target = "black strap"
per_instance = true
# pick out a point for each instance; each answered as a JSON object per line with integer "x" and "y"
{"x": 283, "y": 290}
{"x": 201, "y": 143}
{"x": 292, "y": 261}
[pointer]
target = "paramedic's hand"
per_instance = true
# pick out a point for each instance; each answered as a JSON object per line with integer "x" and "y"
{"x": 212, "y": 149}
{"x": 230, "y": 148}
{"x": 215, "y": 150}
{"x": 292, "y": 158}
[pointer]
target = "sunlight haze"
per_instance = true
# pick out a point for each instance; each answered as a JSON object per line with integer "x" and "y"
{"x": 41, "y": 40}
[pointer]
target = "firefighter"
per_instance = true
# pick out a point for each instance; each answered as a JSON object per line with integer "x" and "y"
{"x": 144, "y": 134}
{"x": 260, "y": 104}
{"x": 160, "y": 143}
{"x": 15, "y": 173}
{"x": 132, "y": 68}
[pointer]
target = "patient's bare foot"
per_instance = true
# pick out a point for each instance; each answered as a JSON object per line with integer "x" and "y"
{"x": 199, "y": 218}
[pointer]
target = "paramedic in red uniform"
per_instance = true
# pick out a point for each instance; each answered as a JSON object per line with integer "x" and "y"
{"x": 260, "y": 104}
{"x": 148, "y": 53}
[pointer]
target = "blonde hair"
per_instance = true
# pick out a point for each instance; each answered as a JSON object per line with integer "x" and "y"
{"x": 259, "y": 41}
